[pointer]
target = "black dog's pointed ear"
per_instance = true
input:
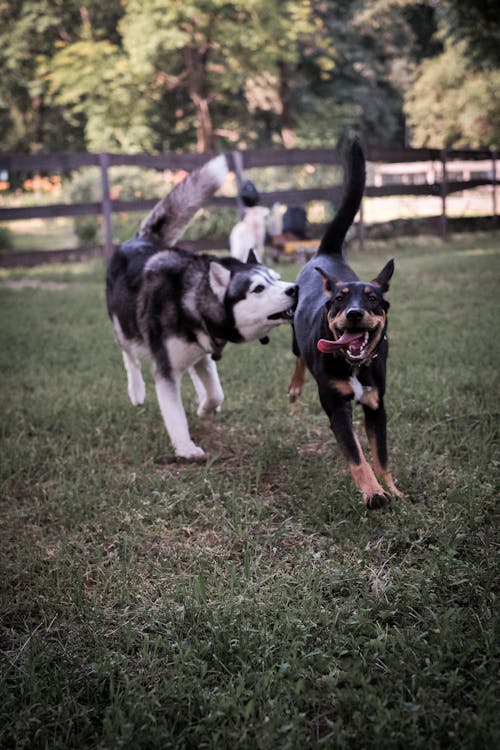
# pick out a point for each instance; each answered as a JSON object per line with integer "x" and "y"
{"x": 384, "y": 278}
{"x": 252, "y": 258}
{"x": 329, "y": 282}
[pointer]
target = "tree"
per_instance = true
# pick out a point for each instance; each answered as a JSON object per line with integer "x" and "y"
{"x": 161, "y": 75}
{"x": 452, "y": 104}
{"x": 30, "y": 32}
{"x": 27, "y": 33}
{"x": 391, "y": 36}
{"x": 477, "y": 24}
{"x": 216, "y": 51}
{"x": 92, "y": 81}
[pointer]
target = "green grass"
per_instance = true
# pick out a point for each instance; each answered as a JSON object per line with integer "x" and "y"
{"x": 38, "y": 234}
{"x": 250, "y": 602}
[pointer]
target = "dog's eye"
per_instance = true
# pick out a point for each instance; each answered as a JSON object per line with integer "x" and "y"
{"x": 258, "y": 289}
{"x": 339, "y": 298}
{"x": 372, "y": 298}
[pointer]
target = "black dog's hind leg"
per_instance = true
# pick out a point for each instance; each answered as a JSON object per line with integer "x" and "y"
{"x": 299, "y": 374}
{"x": 376, "y": 431}
{"x": 339, "y": 410}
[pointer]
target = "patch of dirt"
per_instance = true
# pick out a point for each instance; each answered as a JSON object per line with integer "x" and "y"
{"x": 18, "y": 284}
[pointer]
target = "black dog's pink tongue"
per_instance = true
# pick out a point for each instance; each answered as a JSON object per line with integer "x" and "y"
{"x": 326, "y": 346}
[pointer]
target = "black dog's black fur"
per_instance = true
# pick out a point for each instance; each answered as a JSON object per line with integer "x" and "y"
{"x": 354, "y": 311}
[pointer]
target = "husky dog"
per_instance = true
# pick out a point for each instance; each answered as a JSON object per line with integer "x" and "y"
{"x": 180, "y": 309}
{"x": 249, "y": 233}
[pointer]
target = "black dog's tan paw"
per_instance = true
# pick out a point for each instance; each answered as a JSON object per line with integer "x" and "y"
{"x": 377, "y": 501}
{"x": 297, "y": 382}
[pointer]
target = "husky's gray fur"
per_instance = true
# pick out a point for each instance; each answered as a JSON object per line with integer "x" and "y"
{"x": 180, "y": 308}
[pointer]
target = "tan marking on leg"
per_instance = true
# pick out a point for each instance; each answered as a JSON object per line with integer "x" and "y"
{"x": 389, "y": 483}
{"x": 342, "y": 386}
{"x": 373, "y": 493}
{"x": 370, "y": 398}
{"x": 384, "y": 474}
{"x": 298, "y": 379}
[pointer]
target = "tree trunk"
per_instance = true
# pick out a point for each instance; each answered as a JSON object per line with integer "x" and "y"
{"x": 285, "y": 95}
{"x": 195, "y": 61}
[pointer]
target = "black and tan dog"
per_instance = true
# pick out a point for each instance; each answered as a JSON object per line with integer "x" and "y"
{"x": 343, "y": 342}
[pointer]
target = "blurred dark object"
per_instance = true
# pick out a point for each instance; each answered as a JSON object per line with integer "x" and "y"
{"x": 249, "y": 194}
{"x": 295, "y": 221}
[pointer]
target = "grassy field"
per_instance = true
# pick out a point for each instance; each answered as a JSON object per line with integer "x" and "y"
{"x": 250, "y": 602}
{"x": 39, "y": 234}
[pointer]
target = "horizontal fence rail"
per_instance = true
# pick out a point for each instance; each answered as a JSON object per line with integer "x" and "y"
{"x": 244, "y": 160}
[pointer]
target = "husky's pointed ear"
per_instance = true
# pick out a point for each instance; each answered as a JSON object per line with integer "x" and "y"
{"x": 219, "y": 280}
{"x": 252, "y": 258}
{"x": 328, "y": 281}
{"x": 384, "y": 278}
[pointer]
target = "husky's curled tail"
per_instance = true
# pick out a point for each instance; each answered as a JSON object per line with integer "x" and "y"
{"x": 168, "y": 220}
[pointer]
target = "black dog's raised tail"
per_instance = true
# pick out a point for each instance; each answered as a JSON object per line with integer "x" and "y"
{"x": 332, "y": 240}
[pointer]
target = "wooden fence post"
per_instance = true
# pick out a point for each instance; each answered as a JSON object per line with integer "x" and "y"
{"x": 494, "y": 184}
{"x": 106, "y": 206}
{"x": 444, "y": 193}
{"x": 361, "y": 228}
{"x": 238, "y": 171}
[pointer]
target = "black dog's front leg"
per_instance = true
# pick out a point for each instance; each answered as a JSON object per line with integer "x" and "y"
{"x": 376, "y": 431}
{"x": 339, "y": 411}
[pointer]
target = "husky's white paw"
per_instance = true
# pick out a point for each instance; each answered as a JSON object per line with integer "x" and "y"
{"x": 211, "y": 406}
{"x": 137, "y": 392}
{"x": 190, "y": 452}
{"x": 294, "y": 392}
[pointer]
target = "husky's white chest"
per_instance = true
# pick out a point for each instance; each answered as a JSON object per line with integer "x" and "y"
{"x": 183, "y": 354}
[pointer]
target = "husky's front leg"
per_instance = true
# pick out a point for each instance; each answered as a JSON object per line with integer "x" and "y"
{"x": 168, "y": 391}
{"x": 207, "y": 385}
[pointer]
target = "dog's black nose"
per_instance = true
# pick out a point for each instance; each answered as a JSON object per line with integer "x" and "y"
{"x": 292, "y": 291}
{"x": 354, "y": 315}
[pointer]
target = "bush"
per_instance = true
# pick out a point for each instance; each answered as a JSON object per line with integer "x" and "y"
{"x": 85, "y": 187}
{"x": 125, "y": 183}
{"x": 6, "y": 242}
{"x": 212, "y": 222}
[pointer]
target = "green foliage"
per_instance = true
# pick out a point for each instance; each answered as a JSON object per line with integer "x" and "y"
{"x": 452, "y": 104}
{"x": 373, "y": 46}
{"x": 250, "y": 602}
{"x": 6, "y": 242}
{"x": 477, "y": 25}
{"x": 31, "y": 32}
{"x": 85, "y": 187}
{"x": 154, "y": 75}
{"x": 125, "y": 183}
{"x": 209, "y": 223}
{"x": 95, "y": 80}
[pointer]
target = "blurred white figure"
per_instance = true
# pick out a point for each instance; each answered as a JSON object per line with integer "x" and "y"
{"x": 249, "y": 234}
{"x": 275, "y": 222}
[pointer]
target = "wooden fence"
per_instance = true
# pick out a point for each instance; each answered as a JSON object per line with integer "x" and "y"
{"x": 238, "y": 162}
